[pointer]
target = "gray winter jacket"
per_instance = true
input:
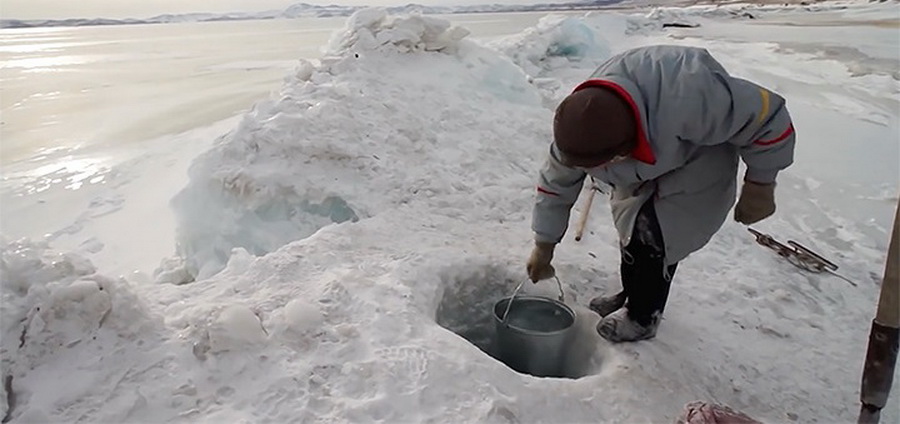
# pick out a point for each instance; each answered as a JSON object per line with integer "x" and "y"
{"x": 695, "y": 121}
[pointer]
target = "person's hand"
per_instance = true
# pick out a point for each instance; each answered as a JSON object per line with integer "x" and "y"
{"x": 539, "y": 267}
{"x": 757, "y": 202}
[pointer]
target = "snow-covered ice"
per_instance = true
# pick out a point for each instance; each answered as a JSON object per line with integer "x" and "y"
{"x": 339, "y": 244}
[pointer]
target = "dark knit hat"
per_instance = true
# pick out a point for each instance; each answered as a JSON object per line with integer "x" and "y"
{"x": 594, "y": 125}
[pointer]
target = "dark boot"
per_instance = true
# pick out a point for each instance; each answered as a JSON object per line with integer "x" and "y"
{"x": 645, "y": 280}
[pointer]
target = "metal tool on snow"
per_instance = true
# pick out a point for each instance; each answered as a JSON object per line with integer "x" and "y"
{"x": 799, "y": 255}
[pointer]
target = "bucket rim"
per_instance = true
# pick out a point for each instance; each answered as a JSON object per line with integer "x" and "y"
{"x": 556, "y": 302}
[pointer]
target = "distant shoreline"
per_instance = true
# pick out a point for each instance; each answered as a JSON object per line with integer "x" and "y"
{"x": 303, "y": 10}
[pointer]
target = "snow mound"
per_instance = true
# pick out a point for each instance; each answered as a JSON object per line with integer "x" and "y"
{"x": 689, "y": 14}
{"x": 555, "y": 42}
{"x": 561, "y": 50}
{"x": 402, "y": 111}
{"x": 55, "y": 305}
{"x": 739, "y": 11}
{"x": 672, "y": 17}
{"x": 373, "y": 29}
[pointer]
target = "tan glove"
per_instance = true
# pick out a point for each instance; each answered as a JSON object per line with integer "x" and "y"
{"x": 757, "y": 202}
{"x": 539, "y": 267}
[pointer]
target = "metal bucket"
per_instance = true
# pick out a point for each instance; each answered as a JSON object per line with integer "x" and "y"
{"x": 534, "y": 333}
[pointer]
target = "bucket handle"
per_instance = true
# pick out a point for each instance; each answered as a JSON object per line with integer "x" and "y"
{"x": 562, "y": 296}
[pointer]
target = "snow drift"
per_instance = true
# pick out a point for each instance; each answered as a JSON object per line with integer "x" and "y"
{"x": 62, "y": 318}
{"x": 399, "y": 112}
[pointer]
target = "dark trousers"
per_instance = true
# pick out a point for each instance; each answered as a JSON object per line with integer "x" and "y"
{"x": 645, "y": 276}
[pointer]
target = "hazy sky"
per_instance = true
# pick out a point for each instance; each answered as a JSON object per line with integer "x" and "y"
{"x": 55, "y": 9}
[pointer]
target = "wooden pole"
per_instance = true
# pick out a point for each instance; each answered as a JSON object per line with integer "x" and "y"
{"x": 579, "y": 232}
{"x": 881, "y": 356}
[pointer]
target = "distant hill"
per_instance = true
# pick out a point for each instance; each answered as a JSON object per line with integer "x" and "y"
{"x": 306, "y": 10}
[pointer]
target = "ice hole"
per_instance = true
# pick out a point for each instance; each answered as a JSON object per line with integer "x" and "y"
{"x": 466, "y": 308}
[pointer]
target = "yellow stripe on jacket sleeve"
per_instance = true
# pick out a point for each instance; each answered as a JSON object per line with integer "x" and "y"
{"x": 764, "y": 112}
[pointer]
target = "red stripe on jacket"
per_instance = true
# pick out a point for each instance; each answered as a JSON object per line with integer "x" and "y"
{"x": 545, "y": 191}
{"x": 784, "y": 135}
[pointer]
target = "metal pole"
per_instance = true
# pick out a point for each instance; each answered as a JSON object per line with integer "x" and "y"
{"x": 881, "y": 357}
